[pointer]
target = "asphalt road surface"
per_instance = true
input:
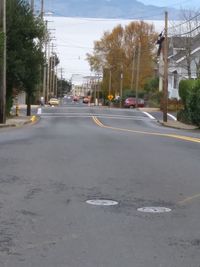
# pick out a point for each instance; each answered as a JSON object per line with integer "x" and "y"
{"x": 49, "y": 170}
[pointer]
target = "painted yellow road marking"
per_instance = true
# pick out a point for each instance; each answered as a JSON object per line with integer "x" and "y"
{"x": 175, "y": 136}
{"x": 185, "y": 138}
{"x": 188, "y": 199}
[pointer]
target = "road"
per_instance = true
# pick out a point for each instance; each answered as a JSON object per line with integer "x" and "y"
{"x": 77, "y": 153}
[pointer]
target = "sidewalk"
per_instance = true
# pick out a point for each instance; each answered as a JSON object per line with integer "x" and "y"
{"x": 171, "y": 123}
{"x": 18, "y": 121}
{"x": 178, "y": 125}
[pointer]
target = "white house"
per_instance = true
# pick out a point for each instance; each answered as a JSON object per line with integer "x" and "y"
{"x": 183, "y": 57}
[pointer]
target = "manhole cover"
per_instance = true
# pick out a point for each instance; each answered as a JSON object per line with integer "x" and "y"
{"x": 102, "y": 202}
{"x": 154, "y": 209}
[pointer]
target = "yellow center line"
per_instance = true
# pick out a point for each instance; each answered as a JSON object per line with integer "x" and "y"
{"x": 185, "y": 138}
{"x": 188, "y": 199}
{"x": 180, "y": 137}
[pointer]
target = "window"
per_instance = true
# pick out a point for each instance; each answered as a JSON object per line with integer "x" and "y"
{"x": 175, "y": 79}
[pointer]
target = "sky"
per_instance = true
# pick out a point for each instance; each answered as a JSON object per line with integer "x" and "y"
{"x": 173, "y": 3}
{"x": 75, "y": 36}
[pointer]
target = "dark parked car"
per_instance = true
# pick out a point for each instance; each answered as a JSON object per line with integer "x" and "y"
{"x": 130, "y": 102}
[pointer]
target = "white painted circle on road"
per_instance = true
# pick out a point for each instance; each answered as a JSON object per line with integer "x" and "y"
{"x": 102, "y": 202}
{"x": 154, "y": 209}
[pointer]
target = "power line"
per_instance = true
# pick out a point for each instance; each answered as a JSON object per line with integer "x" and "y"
{"x": 75, "y": 46}
{"x": 182, "y": 23}
{"x": 187, "y": 33}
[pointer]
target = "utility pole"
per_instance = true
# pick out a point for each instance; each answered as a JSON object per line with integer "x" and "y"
{"x": 138, "y": 74}
{"x": 61, "y": 83}
{"x": 32, "y": 5}
{"x": 53, "y": 74}
{"x": 110, "y": 81}
{"x": 42, "y": 9}
{"x": 133, "y": 69}
{"x": 98, "y": 88}
{"x": 121, "y": 86}
{"x": 165, "y": 56}
{"x": 56, "y": 84}
{"x": 51, "y": 62}
{"x": 95, "y": 89}
{"x": 45, "y": 65}
{"x": 3, "y": 64}
{"x": 48, "y": 73}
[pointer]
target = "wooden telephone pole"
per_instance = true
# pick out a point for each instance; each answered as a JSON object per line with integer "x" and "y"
{"x": 3, "y": 62}
{"x": 32, "y": 5}
{"x": 138, "y": 74}
{"x": 42, "y": 9}
{"x": 165, "y": 57}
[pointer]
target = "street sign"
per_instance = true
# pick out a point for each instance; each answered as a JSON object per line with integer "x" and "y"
{"x": 110, "y": 97}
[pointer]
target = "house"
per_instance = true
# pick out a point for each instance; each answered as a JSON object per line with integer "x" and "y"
{"x": 85, "y": 85}
{"x": 183, "y": 62}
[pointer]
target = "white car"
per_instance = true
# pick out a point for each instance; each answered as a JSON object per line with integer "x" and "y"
{"x": 53, "y": 102}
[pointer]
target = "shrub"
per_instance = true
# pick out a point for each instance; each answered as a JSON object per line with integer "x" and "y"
{"x": 184, "y": 116}
{"x": 185, "y": 87}
{"x": 193, "y": 104}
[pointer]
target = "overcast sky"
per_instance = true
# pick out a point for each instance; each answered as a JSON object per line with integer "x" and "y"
{"x": 173, "y": 3}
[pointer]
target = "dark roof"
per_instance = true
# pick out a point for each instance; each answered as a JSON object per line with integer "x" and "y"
{"x": 178, "y": 42}
{"x": 196, "y": 42}
{"x": 179, "y": 55}
{"x": 182, "y": 43}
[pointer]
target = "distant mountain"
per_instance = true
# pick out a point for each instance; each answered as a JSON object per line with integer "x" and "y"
{"x": 108, "y": 9}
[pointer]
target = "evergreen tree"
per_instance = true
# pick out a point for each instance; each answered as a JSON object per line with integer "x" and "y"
{"x": 24, "y": 50}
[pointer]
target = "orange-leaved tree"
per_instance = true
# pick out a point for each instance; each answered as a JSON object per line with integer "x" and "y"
{"x": 118, "y": 52}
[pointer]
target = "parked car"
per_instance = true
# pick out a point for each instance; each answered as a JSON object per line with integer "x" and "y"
{"x": 130, "y": 102}
{"x": 53, "y": 102}
{"x": 75, "y": 98}
{"x": 86, "y": 100}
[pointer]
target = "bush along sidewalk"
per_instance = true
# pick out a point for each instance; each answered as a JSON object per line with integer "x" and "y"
{"x": 189, "y": 91}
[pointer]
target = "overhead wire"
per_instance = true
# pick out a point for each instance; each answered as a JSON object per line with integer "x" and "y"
{"x": 184, "y": 22}
{"x": 141, "y": 17}
{"x": 186, "y": 33}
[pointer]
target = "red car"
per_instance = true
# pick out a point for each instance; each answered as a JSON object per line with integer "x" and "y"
{"x": 75, "y": 98}
{"x": 86, "y": 100}
{"x": 130, "y": 102}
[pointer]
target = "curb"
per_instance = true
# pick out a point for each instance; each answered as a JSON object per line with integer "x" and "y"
{"x": 179, "y": 127}
{"x": 7, "y": 125}
{"x": 33, "y": 119}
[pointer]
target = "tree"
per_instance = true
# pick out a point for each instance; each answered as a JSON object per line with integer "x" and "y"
{"x": 64, "y": 87}
{"x": 117, "y": 52}
{"x": 24, "y": 50}
{"x": 53, "y": 62}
